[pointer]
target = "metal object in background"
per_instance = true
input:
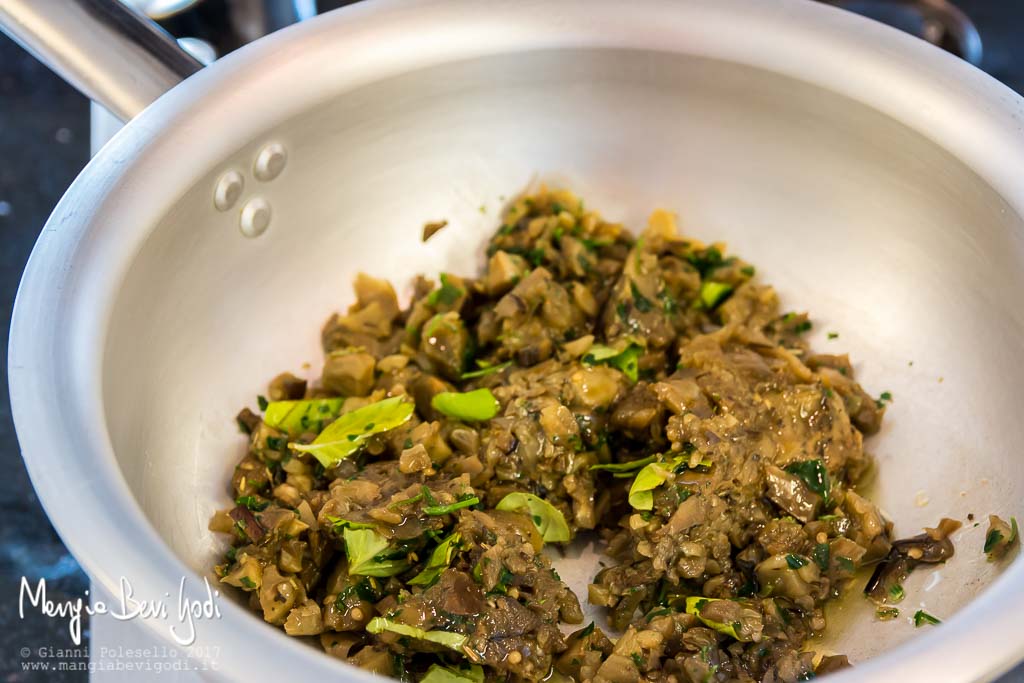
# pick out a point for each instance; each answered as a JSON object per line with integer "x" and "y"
{"x": 226, "y": 24}
{"x": 105, "y": 49}
{"x": 938, "y": 21}
{"x": 121, "y": 59}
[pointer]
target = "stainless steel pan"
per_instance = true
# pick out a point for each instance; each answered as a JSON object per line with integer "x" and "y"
{"x": 873, "y": 178}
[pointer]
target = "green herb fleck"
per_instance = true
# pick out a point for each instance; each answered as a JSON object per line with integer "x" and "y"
{"x": 833, "y": 335}
{"x": 713, "y": 293}
{"x": 262, "y": 402}
{"x": 436, "y": 510}
{"x": 820, "y": 554}
{"x": 640, "y": 302}
{"x": 252, "y": 503}
{"x": 626, "y": 360}
{"x": 487, "y": 370}
{"x": 887, "y": 613}
{"x": 814, "y": 474}
{"x": 992, "y": 539}
{"x": 796, "y": 561}
{"x": 922, "y": 618}
{"x": 446, "y": 295}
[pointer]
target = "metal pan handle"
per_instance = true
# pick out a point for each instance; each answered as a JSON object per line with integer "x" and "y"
{"x": 112, "y": 54}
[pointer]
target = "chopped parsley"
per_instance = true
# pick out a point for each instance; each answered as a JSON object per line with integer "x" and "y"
{"x": 992, "y": 539}
{"x": 252, "y": 503}
{"x": 713, "y": 293}
{"x": 640, "y": 302}
{"x": 446, "y": 295}
{"x": 820, "y": 554}
{"x": 435, "y": 510}
{"x": 796, "y": 561}
{"x": 812, "y": 473}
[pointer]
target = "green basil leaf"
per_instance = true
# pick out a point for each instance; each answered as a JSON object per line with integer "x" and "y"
{"x": 545, "y": 516}
{"x": 363, "y": 546}
{"x": 695, "y": 604}
{"x": 439, "y": 560}
{"x": 624, "y": 466}
{"x": 453, "y": 640}
{"x": 649, "y": 478}
{"x": 298, "y": 417}
{"x": 444, "y": 674}
{"x": 348, "y": 433}
{"x": 475, "y": 405}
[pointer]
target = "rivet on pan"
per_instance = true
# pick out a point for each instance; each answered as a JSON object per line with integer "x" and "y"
{"x": 255, "y": 217}
{"x": 270, "y": 162}
{"x": 228, "y": 189}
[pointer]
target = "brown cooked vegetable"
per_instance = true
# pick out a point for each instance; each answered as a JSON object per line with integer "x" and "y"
{"x": 645, "y": 392}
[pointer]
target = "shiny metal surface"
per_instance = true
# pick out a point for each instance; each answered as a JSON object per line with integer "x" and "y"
{"x": 117, "y": 57}
{"x": 854, "y": 165}
{"x": 940, "y": 22}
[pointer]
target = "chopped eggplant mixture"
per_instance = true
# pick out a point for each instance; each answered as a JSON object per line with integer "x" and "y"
{"x": 646, "y": 391}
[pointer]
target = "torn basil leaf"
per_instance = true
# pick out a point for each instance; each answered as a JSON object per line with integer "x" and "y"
{"x": 472, "y": 673}
{"x": 298, "y": 417}
{"x": 624, "y": 468}
{"x": 348, "y": 433}
{"x": 453, "y": 640}
{"x": 364, "y": 548}
{"x": 545, "y": 516}
{"x": 695, "y": 604}
{"x": 439, "y": 560}
{"x": 474, "y": 406}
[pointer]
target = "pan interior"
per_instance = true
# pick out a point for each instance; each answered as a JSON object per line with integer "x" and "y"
{"x": 877, "y": 231}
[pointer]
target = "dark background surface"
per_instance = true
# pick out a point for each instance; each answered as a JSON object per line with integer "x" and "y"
{"x": 44, "y": 143}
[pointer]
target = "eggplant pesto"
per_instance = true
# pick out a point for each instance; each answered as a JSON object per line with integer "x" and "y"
{"x": 647, "y": 391}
